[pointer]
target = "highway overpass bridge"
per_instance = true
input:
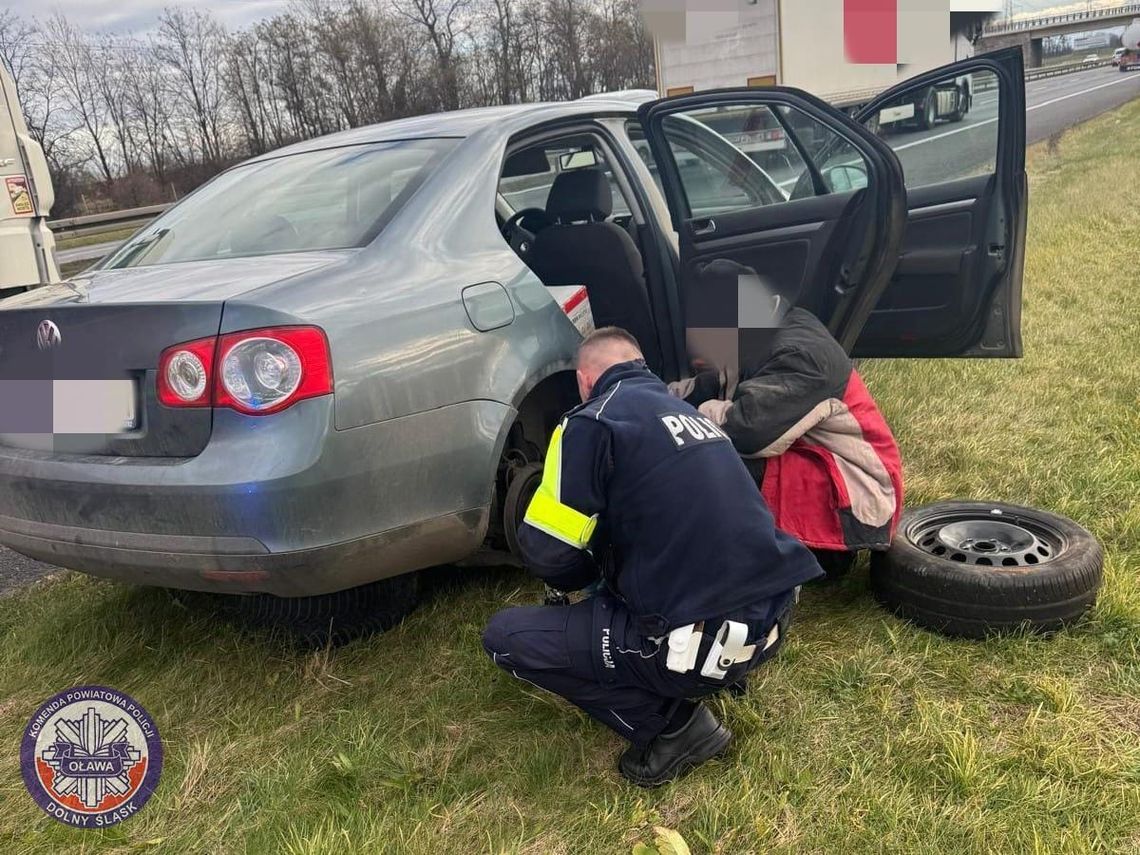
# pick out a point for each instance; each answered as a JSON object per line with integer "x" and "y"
{"x": 1028, "y": 33}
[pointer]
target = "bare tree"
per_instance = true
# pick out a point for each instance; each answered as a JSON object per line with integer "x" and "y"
{"x": 79, "y": 68}
{"x": 621, "y": 52}
{"x": 117, "y": 64}
{"x": 442, "y": 22}
{"x": 564, "y": 20}
{"x": 247, "y": 83}
{"x": 18, "y": 47}
{"x": 508, "y": 50}
{"x": 191, "y": 43}
{"x": 192, "y": 98}
{"x": 146, "y": 91}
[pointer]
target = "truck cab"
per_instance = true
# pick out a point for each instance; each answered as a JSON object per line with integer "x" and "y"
{"x": 27, "y": 248}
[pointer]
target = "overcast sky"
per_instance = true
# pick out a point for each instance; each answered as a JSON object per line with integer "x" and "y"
{"x": 140, "y": 15}
{"x": 123, "y": 16}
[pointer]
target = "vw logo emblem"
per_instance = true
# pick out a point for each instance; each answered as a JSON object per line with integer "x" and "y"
{"x": 47, "y": 335}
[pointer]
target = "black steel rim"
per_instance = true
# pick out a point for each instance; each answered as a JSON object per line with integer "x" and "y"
{"x": 994, "y": 538}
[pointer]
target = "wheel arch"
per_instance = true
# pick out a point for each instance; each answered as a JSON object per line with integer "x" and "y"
{"x": 537, "y": 405}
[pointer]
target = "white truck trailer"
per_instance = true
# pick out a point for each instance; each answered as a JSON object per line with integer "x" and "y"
{"x": 27, "y": 248}
{"x": 801, "y": 43}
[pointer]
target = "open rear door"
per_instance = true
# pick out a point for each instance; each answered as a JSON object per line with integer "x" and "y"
{"x": 959, "y": 132}
{"x": 778, "y": 199}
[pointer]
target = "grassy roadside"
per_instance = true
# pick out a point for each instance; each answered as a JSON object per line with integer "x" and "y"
{"x": 102, "y": 237}
{"x": 70, "y": 268}
{"x": 866, "y": 736}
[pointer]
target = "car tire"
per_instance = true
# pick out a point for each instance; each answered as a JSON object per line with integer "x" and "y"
{"x": 975, "y": 569}
{"x": 524, "y": 482}
{"x": 331, "y": 619}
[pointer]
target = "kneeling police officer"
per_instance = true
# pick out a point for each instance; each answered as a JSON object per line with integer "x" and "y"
{"x": 641, "y": 491}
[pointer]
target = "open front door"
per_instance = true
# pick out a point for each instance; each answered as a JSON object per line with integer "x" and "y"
{"x": 959, "y": 132}
{"x": 778, "y": 200}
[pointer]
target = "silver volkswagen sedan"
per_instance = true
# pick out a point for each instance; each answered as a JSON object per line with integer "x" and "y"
{"x": 339, "y": 362}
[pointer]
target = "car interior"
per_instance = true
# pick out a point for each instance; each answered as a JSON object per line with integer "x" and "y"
{"x": 564, "y": 214}
{"x": 915, "y": 253}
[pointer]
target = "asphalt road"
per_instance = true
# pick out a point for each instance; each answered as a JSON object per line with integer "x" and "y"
{"x": 17, "y": 571}
{"x": 91, "y": 252}
{"x": 1056, "y": 103}
{"x": 1052, "y": 105}
{"x": 961, "y": 149}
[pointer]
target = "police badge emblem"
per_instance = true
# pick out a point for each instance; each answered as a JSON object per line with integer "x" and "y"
{"x": 91, "y": 757}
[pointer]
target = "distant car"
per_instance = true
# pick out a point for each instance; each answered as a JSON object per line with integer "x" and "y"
{"x": 332, "y": 364}
{"x": 1090, "y": 59}
{"x": 1116, "y": 54}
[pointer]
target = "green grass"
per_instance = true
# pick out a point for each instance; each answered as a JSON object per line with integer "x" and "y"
{"x": 867, "y": 735}
{"x": 102, "y": 237}
{"x": 72, "y": 267}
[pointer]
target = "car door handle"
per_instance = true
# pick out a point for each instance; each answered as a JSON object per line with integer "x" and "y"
{"x": 704, "y": 227}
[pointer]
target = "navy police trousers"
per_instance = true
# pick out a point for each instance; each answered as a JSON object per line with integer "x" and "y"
{"x": 591, "y": 654}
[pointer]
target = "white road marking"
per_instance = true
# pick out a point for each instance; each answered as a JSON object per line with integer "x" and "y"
{"x": 995, "y": 118}
{"x": 945, "y": 134}
{"x": 1075, "y": 94}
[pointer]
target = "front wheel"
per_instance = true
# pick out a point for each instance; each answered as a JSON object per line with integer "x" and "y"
{"x": 975, "y": 569}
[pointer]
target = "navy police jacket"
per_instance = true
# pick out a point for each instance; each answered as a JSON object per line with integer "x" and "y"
{"x": 638, "y": 486}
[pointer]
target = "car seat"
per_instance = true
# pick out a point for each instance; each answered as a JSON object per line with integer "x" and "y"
{"x": 581, "y": 248}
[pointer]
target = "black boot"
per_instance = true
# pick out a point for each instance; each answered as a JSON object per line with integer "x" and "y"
{"x": 671, "y": 754}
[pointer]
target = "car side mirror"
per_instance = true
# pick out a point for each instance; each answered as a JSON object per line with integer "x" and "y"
{"x": 845, "y": 177}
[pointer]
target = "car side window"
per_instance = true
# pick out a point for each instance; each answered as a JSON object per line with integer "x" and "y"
{"x": 943, "y": 131}
{"x": 739, "y": 156}
{"x": 531, "y": 189}
{"x": 841, "y": 166}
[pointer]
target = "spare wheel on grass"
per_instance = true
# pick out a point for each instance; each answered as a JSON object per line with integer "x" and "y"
{"x": 979, "y": 568}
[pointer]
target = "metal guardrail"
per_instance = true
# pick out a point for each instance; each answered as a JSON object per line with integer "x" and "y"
{"x": 1068, "y": 68}
{"x": 998, "y": 29}
{"x": 94, "y": 224}
{"x": 856, "y": 98}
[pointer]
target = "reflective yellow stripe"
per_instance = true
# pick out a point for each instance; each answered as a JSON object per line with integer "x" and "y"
{"x": 559, "y": 520}
{"x": 546, "y": 511}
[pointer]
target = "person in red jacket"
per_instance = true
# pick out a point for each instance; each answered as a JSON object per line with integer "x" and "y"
{"x": 813, "y": 438}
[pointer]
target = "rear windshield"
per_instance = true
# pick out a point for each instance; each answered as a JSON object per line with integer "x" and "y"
{"x": 331, "y": 199}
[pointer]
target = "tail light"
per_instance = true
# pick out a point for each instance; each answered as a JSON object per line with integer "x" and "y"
{"x": 184, "y": 374}
{"x": 256, "y": 372}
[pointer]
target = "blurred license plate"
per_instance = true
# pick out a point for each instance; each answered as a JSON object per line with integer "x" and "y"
{"x": 94, "y": 406}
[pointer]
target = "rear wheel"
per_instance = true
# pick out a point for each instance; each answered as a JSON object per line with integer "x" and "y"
{"x": 980, "y": 568}
{"x": 331, "y": 619}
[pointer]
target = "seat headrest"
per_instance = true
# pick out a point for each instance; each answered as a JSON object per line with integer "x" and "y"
{"x": 580, "y": 194}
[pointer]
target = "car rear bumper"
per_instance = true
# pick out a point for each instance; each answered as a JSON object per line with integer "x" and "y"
{"x": 283, "y": 504}
{"x": 243, "y": 565}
